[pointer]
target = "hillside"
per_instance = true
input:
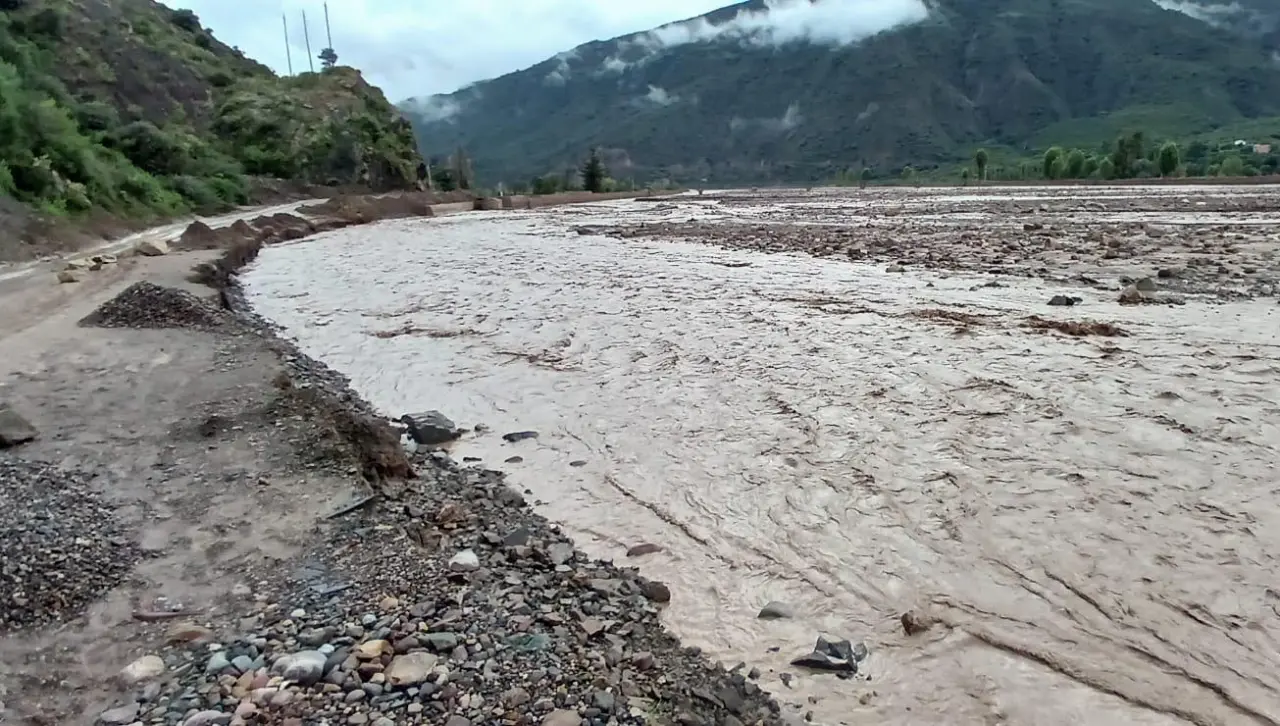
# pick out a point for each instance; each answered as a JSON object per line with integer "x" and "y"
{"x": 130, "y": 109}
{"x": 731, "y": 97}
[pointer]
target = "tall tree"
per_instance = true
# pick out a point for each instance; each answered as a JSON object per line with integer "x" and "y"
{"x": 461, "y": 165}
{"x": 1052, "y": 166}
{"x": 1169, "y": 159}
{"x": 980, "y": 160}
{"x": 593, "y": 172}
{"x": 1075, "y": 164}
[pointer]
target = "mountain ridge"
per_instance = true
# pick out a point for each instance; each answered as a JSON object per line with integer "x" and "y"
{"x": 922, "y": 92}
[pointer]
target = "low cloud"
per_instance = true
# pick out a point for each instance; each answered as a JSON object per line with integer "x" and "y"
{"x": 560, "y": 71}
{"x": 434, "y": 108}
{"x": 789, "y": 120}
{"x": 1218, "y": 13}
{"x": 826, "y": 22}
{"x": 660, "y": 97}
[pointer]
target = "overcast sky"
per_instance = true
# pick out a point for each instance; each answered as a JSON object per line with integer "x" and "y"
{"x": 420, "y": 47}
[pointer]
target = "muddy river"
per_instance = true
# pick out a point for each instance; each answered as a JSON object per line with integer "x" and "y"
{"x": 1093, "y": 520}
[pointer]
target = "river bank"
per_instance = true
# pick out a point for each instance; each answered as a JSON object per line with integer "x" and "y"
{"x": 255, "y": 542}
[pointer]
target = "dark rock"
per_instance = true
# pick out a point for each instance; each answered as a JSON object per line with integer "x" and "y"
{"x": 14, "y": 428}
{"x": 515, "y": 436}
{"x": 915, "y": 621}
{"x": 430, "y": 428}
{"x": 645, "y": 548}
{"x": 775, "y": 610}
{"x": 119, "y": 716}
{"x": 831, "y": 655}
{"x": 1064, "y": 300}
{"x": 655, "y": 591}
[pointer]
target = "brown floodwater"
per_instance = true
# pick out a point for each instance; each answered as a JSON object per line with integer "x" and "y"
{"x": 1090, "y": 518}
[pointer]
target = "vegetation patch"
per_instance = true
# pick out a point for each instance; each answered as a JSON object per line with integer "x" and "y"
{"x": 136, "y": 110}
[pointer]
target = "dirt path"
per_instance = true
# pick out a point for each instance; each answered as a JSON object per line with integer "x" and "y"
{"x": 179, "y": 426}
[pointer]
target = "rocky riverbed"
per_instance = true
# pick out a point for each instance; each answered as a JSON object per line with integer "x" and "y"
{"x": 1214, "y": 241}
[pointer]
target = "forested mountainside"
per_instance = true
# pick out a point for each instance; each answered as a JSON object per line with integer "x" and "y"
{"x": 753, "y": 92}
{"x": 133, "y": 109}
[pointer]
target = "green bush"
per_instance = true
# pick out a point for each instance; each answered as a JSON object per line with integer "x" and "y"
{"x": 187, "y": 20}
{"x": 96, "y": 116}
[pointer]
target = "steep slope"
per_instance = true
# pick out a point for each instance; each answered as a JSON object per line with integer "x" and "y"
{"x": 757, "y": 103}
{"x": 133, "y": 109}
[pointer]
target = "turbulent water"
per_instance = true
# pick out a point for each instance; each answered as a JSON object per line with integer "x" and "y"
{"x": 1090, "y": 518}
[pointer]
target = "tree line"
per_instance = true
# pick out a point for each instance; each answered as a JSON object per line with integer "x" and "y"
{"x": 1129, "y": 157}
{"x": 454, "y": 172}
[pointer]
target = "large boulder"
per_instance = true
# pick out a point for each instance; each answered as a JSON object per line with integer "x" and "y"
{"x": 14, "y": 428}
{"x": 430, "y": 428}
{"x": 152, "y": 247}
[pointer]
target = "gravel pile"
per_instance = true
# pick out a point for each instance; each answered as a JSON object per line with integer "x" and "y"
{"x": 60, "y": 547}
{"x": 453, "y": 605}
{"x": 147, "y": 305}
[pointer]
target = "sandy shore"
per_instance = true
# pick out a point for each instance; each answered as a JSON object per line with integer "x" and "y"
{"x": 263, "y": 520}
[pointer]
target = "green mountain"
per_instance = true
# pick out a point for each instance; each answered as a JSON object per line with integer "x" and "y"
{"x": 738, "y": 95}
{"x": 128, "y": 108}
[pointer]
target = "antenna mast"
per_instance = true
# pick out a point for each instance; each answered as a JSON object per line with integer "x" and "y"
{"x": 328, "y": 35}
{"x": 307, "y": 37}
{"x": 287, "y": 55}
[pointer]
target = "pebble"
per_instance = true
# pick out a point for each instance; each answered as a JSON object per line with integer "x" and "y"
{"x": 410, "y": 669}
{"x": 144, "y": 669}
{"x": 465, "y": 561}
{"x": 119, "y": 716}
{"x": 562, "y": 717}
{"x": 305, "y": 667}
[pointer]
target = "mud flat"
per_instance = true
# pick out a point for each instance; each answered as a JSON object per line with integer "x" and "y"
{"x": 861, "y": 405}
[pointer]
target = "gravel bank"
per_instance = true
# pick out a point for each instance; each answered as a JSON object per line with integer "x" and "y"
{"x": 147, "y": 305}
{"x": 60, "y": 544}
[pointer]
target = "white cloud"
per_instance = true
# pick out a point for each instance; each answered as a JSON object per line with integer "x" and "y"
{"x": 660, "y": 97}
{"x": 790, "y": 119}
{"x": 1214, "y": 13}
{"x": 834, "y": 22}
{"x": 435, "y": 108}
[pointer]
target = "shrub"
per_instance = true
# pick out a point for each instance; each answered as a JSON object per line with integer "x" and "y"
{"x": 187, "y": 20}
{"x": 96, "y": 116}
{"x": 149, "y": 148}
